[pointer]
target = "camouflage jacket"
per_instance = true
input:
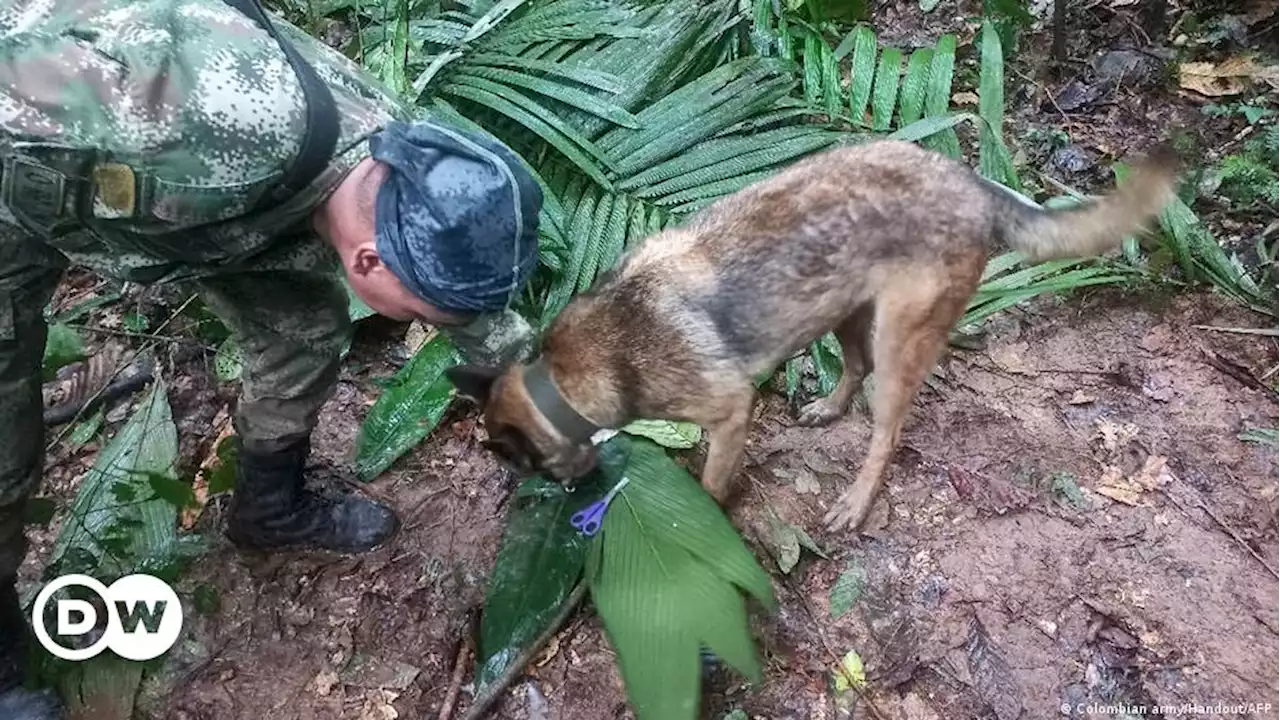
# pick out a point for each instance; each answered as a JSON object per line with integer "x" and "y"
{"x": 169, "y": 119}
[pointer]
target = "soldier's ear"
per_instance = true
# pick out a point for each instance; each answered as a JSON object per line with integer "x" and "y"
{"x": 473, "y": 381}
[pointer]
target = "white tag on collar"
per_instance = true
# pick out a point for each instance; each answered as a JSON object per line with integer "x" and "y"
{"x": 603, "y": 435}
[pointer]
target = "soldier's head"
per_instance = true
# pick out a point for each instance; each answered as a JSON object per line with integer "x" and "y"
{"x": 439, "y": 224}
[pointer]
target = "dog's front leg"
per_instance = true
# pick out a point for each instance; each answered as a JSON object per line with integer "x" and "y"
{"x": 728, "y": 438}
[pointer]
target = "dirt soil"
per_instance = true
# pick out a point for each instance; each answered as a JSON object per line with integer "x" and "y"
{"x": 1072, "y": 524}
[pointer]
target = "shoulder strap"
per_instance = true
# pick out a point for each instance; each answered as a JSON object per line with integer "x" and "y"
{"x": 322, "y": 117}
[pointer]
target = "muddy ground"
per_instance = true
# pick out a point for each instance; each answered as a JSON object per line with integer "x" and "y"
{"x": 1073, "y": 518}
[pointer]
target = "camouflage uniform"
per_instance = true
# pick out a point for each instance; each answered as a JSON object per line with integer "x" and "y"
{"x": 185, "y": 114}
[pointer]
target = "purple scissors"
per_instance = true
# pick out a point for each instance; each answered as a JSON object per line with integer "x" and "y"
{"x": 589, "y": 519}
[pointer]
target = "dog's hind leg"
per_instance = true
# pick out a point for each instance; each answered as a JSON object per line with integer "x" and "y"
{"x": 728, "y": 438}
{"x": 912, "y": 321}
{"x": 854, "y": 334}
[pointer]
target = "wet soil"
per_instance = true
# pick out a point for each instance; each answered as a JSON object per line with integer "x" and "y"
{"x": 1072, "y": 524}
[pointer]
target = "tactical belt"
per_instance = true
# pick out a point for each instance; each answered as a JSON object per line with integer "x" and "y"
{"x": 50, "y": 189}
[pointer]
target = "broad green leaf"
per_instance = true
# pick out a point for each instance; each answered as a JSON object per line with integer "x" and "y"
{"x": 828, "y": 366}
{"x": 993, "y": 159}
{"x": 534, "y": 117}
{"x": 115, "y": 525}
{"x": 863, "y": 73}
{"x": 595, "y": 242}
{"x": 915, "y": 86}
{"x": 930, "y": 127}
{"x": 813, "y": 87}
{"x": 558, "y": 91}
{"x": 848, "y": 589}
{"x": 228, "y": 362}
{"x": 938, "y": 96}
{"x": 173, "y": 491}
{"x": 63, "y": 346}
{"x": 538, "y": 565}
{"x": 663, "y": 495}
{"x": 769, "y": 154}
{"x": 602, "y": 81}
{"x": 885, "y": 94}
{"x": 407, "y": 410}
{"x": 666, "y": 433}
{"x": 718, "y": 153}
{"x": 662, "y": 599}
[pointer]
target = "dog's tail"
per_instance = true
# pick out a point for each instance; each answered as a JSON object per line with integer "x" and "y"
{"x": 1093, "y": 227}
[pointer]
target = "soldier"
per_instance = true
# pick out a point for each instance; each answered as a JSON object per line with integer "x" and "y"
{"x": 195, "y": 140}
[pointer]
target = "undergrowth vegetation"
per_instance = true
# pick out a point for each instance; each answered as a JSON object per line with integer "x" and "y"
{"x": 633, "y": 116}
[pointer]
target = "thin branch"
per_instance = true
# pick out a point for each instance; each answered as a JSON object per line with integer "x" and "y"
{"x": 497, "y": 687}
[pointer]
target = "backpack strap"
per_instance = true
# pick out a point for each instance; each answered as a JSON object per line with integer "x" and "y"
{"x": 321, "y": 134}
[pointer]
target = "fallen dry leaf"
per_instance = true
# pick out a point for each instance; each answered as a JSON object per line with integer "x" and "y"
{"x": 200, "y": 486}
{"x": 1012, "y": 358}
{"x": 1230, "y": 77}
{"x": 416, "y": 336}
{"x": 1116, "y": 436}
{"x": 964, "y": 98}
{"x": 377, "y": 706}
{"x": 324, "y": 681}
{"x": 1081, "y": 397}
{"x": 1113, "y": 484}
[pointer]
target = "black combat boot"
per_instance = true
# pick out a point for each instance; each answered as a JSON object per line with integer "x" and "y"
{"x": 271, "y": 510}
{"x": 16, "y": 701}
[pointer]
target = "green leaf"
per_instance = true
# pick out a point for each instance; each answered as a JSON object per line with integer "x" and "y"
{"x": 938, "y": 96}
{"x": 915, "y": 86}
{"x": 408, "y": 410}
{"x": 1260, "y": 436}
{"x": 885, "y": 94}
{"x": 357, "y": 308}
{"x": 848, "y": 589}
{"x": 670, "y": 570}
{"x": 993, "y": 158}
{"x": 111, "y": 526}
{"x": 538, "y": 565}
{"x": 665, "y": 495}
{"x": 86, "y": 429}
{"x": 228, "y": 362}
{"x": 558, "y": 91}
{"x": 173, "y": 491}
{"x": 666, "y": 433}
{"x": 863, "y": 73}
{"x": 62, "y": 347}
{"x": 536, "y": 118}
{"x": 850, "y": 673}
{"x": 929, "y": 5}
{"x": 603, "y": 81}
{"x": 136, "y": 322}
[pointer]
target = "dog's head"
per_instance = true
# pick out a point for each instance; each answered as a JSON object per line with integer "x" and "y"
{"x": 519, "y": 434}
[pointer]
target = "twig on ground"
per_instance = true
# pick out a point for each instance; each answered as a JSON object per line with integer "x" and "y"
{"x": 1271, "y": 332}
{"x": 491, "y": 693}
{"x": 1225, "y": 527}
{"x": 455, "y": 682}
{"x": 1232, "y": 369}
{"x": 808, "y": 611}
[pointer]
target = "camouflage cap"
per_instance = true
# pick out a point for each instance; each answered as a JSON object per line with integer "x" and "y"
{"x": 456, "y": 216}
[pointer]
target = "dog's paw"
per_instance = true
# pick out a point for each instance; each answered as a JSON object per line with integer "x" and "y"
{"x": 849, "y": 511}
{"x": 818, "y": 413}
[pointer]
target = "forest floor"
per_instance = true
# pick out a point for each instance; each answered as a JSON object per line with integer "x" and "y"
{"x": 1073, "y": 518}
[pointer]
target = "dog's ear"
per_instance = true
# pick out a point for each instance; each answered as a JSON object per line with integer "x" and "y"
{"x": 473, "y": 381}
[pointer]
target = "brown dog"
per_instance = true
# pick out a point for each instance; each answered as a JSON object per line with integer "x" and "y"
{"x": 885, "y": 235}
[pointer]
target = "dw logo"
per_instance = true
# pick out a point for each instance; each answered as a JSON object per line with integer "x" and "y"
{"x": 144, "y": 617}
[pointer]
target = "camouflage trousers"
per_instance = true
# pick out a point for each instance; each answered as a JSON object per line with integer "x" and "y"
{"x": 292, "y": 326}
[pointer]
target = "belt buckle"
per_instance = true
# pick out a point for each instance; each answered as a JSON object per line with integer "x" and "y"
{"x": 42, "y": 192}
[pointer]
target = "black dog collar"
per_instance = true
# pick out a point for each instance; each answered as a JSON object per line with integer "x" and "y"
{"x": 548, "y": 400}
